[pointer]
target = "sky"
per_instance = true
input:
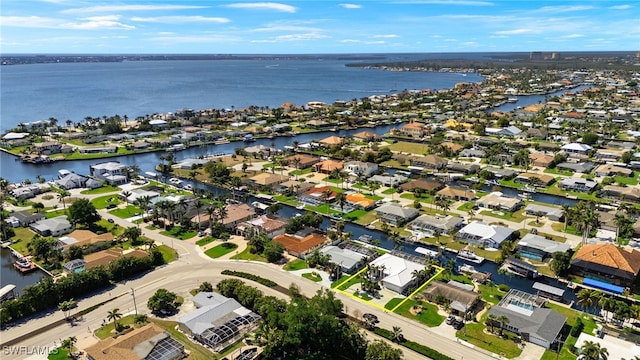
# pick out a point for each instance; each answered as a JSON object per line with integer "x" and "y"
{"x": 316, "y": 27}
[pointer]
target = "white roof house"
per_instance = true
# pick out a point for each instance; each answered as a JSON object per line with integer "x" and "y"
{"x": 15, "y": 136}
{"x": 490, "y": 236}
{"x": 617, "y": 348}
{"x": 576, "y": 148}
{"x": 53, "y": 227}
{"x": 398, "y": 272}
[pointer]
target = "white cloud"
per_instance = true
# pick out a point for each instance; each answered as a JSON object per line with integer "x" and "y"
{"x": 181, "y": 19}
{"x": 571, "y": 36}
{"x": 620, "y": 7}
{"x": 98, "y": 22}
{"x": 28, "y": 21}
{"x": 516, "y": 32}
{"x": 196, "y": 39}
{"x": 280, "y": 28}
{"x": 90, "y": 23}
{"x": 446, "y": 2}
{"x": 350, "y": 6}
{"x": 562, "y": 9}
{"x": 264, "y": 6}
{"x": 301, "y": 37}
{"x": 120, "y": 8}
{"x": 350, "y": 41}
{"x": 386, "y": 36}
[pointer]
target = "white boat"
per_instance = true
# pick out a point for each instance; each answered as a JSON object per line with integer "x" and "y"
{"x": 512, "y": 99}
{"x": 176, "y": 147}
{"x": 470, "y": 256}
{"x": 467, "y": 269}
{"x": 300, "y": 207}
{"x": 188, "y": 187}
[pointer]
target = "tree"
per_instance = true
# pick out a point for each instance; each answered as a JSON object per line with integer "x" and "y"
{"x": 140, "y": 319}
{"x": 396, "y": 335}
{"x": 590, "y": 138}
{"x": 380, "y": 350}
{"x": 205, "y": 287}
{"x": 560, "y": 263}
{"x": 592, "y": 351}
{"x": 503, "y": 320}
{"x": 114, "y": 315}
{"x": 132, "y": 233}
{"x": 588, "y": 298}
{"x": 273, "y": 251}
{"x": 83, "y": 212}
{"x": 74, "y": 252}
{"x": 67, "y": 306}
{"x": 69, "y": 343}
{"x": 61, "y": 196}
{"x": 163, "y": 301}
{"x": 491, "y": 321}
{"x": 37, "y": 206}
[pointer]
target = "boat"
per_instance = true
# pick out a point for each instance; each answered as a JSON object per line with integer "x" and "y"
{"x": 467, "y": 269}
{"x": 512, "y": 99}
{"x": 365, "y": 238}
{"x": 470, "y": 256}
{"x": 300, "y": 207}
{"x": 521, "y": 268}
{"x": 248, "y": 138}
{"x": 176, "y": 147}
{"x": 24, "y": 265}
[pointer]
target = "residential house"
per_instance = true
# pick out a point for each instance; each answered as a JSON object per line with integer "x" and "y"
{"x": 48, "y": 147}
{"x": 360, "y": 168}
{"x": 318, "y": 124}
{"x": 461, "y": 297}
{"x": 332, "y": 140}
{"x": 436, "y": 224}
{"x": 350, "y": 261}
{"x": 541, "y": 160}
{"x": 267, "y": 180}
{"x": 148, "y": 342}
{"x": 535, "y": 133}
{"x": 429, "y": 161}
{"x": 501, "y": 173}
{"x": 395, "y": 272}
{"x": 367, "y": 136}
{"x": 608, "y": 263}
{"x": 529, "y": 318}
{"x": 298, "y": 245}
{"x": 218, "y": 321}
{"x": 429, "y": 186}
{"x": 498, "y": 201}
{"x": 52, "y": 227}
{"x": 535, "y": 179}
{"x": 576, "y": 148}
{"x": 190, "y": 164}
{"x": 463, "y": 168}
{"x": 575, "y": 184}
{"x": 551, "y": 213}
{"x": 105, "y": 149}
{"x": 268, "y": 224}
{"x": 317, "y": 196}
{"x": 112, "y": 172}
{"x": 388, "y": 180}
{"x": 617, "y": 347}
{"x": 612, "y": 170}
{"x": 83, "y": 238}
{"x": 478, "y": 153}
{"x": 101, "y": 258}
{"x": 628, "y": 193}
{"x": 578, "y": 167}
{"x": 359, "y": 201}
{"x": 25, "y": 218}
{"x": 608, "y": 155}
{"x": 396, "y": 214}
{"x": 293, "y": 187}
{"x": 71, "y": 181}
{"x": 302, "y": 161}
{"x": 489, "y": 236}
{"x": 456, "y": 193}
{"x": 327, "y": 166}
{"x": 539, "y": 248}
{"x": 452, "y": 147}
{"x": 414, "y": 129}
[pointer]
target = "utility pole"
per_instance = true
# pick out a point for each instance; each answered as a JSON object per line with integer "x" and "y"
{"x": 135, "y": 307}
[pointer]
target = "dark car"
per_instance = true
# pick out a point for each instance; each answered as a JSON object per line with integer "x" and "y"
{"x": 110, "y": 220}
{"x": 111, "y": 206}
{"x": 370, "y": 317}
{"x": 458, "y": 324}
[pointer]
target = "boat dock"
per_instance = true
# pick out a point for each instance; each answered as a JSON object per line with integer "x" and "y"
{"x": 7, "y": 293}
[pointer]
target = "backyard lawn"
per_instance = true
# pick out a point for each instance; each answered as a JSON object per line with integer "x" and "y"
{"x": 220, "y": 250}
{"x": 294, "y": 265}
{"x": 474, "y": 333}
{"x": 23, "y": 237}
{"x": 127, "y": 212}
{"x": 179, "y": 233}
{"x": 247, "y": 255}
{"x": 102, "y": 201}
{"x": 101, "y": 190}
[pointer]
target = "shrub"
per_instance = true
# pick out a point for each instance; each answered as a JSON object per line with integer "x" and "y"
{"x": 504, "y": 287}
{"x": 419, "y": 348}
{"x": 577, "y": 328}
{"x": 258, "y": 279}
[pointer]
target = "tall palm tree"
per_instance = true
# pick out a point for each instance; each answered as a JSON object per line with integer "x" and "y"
{"x": 503, "y": 320}
{"x": 198, "y": 204}
{"x": 491, "y": 321}
{"x": 592, "y": 351}
{"x": 397, "y": 336}
{"x": 69, "y": 343}
{"x": 61, "y": 196}
{"x": 114, "y": 315}
{"x": 211, "y": 210}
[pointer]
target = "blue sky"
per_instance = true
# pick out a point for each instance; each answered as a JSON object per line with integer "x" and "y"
{"x": 261, "y": 27}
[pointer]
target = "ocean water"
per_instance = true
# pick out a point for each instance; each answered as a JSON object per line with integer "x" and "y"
{"x": 77, "y": 90}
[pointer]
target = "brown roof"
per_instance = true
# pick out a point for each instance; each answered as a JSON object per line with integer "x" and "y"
{"x": 299, "y": 245}
{"x": 360, "y": 199}
{"x": 456, "y": 192}
{"x": 305, "y": 160}
{"x": 611, "y": 256}
{"x": 122, "y": 347}
{"x": 428, "y": 185}
{"x": 106, "y": 257}
{"x": 328, "y": 165}
{"x": 413, "y": 125}
{"x": 237, "y": 212}
{"x": 452, "y": 146}
{"x": 366, "y": 135}
{"x": 332, "y": 140}
{"x": 85, "y": 237}
{"x": 267, "y": 179}
{"x": 544, "y": 178}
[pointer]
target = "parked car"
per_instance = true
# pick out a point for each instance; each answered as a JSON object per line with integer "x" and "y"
{"x": 458, "y": 324}
{"x": 370, "y": 317}
{"x": 111, "y": 206}
{"x": 110, "y": 220}
{"x": 450, "y": 319}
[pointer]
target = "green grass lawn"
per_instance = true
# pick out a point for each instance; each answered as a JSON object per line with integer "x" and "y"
{"x": 491, "y": 294}
{"x": 301, "y": 172}
{"x": 205, "y": 241}
{"x": 101, "y": 190}
{"x": 322, "y": 209}
{"x": 627, "y": 180}
{"x": 22, "y": 239}
{"x": 339, "y": 281}
{"x": 409, "y": 147}
{"x": 247, "y": 255}
{"x": 220, "y": 250}
{"x": 179, "y": 233}
{"x": 556, "y": 171}
{"x": 390, "y": 191}
{"x": 55, "y": 213}
{"x": 107, "y": 330}
{"x": 355, "y": 215}
{"x": 429, "y": 315}
{"x": 289, "y": 200}
{"x": 334, "y": 181}
{"x": 467, "y": 206}
{"x": 367, "y": 218}
{"x": 298, "y": 264}
{"x": 393, "y": 303}
{"x": 102, "y": 201}
{"x": 59, "y": 354}
{"x": 559, "y": 227}
{"x": 312, "y": 277}
{"x": 196, "y": 351}
{"x": 127, "y": 212}
{"x": 348, "y": 284}
{"x": 474, "y": 333}
{"x": 516, "y": 216}
{"x": 168, "y": 254}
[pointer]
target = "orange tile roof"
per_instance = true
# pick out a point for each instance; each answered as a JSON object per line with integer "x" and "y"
{"x": 360, "y": 199}
{"x": 610, "y": 255}
{"x": 329, "y": 165}
{"x": 121, "y": 348}
{"x": 332, "y": 140}
{"x": 300, "y": 245}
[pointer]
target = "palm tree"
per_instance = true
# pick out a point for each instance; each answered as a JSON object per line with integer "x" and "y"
{"x": 114, "y": 315}
{"x": 211, "y": 210}
{"x": 503, "y": 320}
{"x": 198, "y": 204}
{"x": 126, "y": 195}
{"x": 69, "y": 343}
{"x": 397, "y": 336}
{"x": 491, "y": 321}
{"x": 592, "y": 351}
{"x": 63, "y": 194}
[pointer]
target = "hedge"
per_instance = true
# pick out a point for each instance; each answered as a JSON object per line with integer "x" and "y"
{"x": 258, "y": 279}
{"x": 419, "y": 348}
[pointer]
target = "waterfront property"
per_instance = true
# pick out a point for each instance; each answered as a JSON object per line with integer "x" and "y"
{"x": 397, "y": 274}
{"x": 300, "y": 245}
{"x": 266, "y": 224}
{"x": 395, "y": 214}
{"x": 584, "y": 185}
{"x": 318, "y": 196}
{"x": 23, "y": 218}
{"x": 461, "y": 297}
{"x": 84, "y": 238}
{"x": 489, "y": 236}
{"x": 144, "y": 343}
{"x": 443, "y": 224}
{"x": 529, "y": 318}
{"x": 101, "y": 258}
{"x": 112, "y": 172}
{"x": 539, "y": 248}
{"x": 498, "y": 201}
{"x": 218, "y": 321}
{"x": 52, "y": 227}
{"x": 608, "y": 263}
{"x": 551, "y": 213}
{"x": 350, "y": 261}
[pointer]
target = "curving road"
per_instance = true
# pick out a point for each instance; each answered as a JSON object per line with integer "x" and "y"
{"x": 191, "y": 269}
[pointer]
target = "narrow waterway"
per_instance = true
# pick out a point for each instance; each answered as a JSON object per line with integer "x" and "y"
{"x": 9, "y": 274}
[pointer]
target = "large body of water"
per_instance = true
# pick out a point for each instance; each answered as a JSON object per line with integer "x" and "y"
{"x": 73, "y": 91}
